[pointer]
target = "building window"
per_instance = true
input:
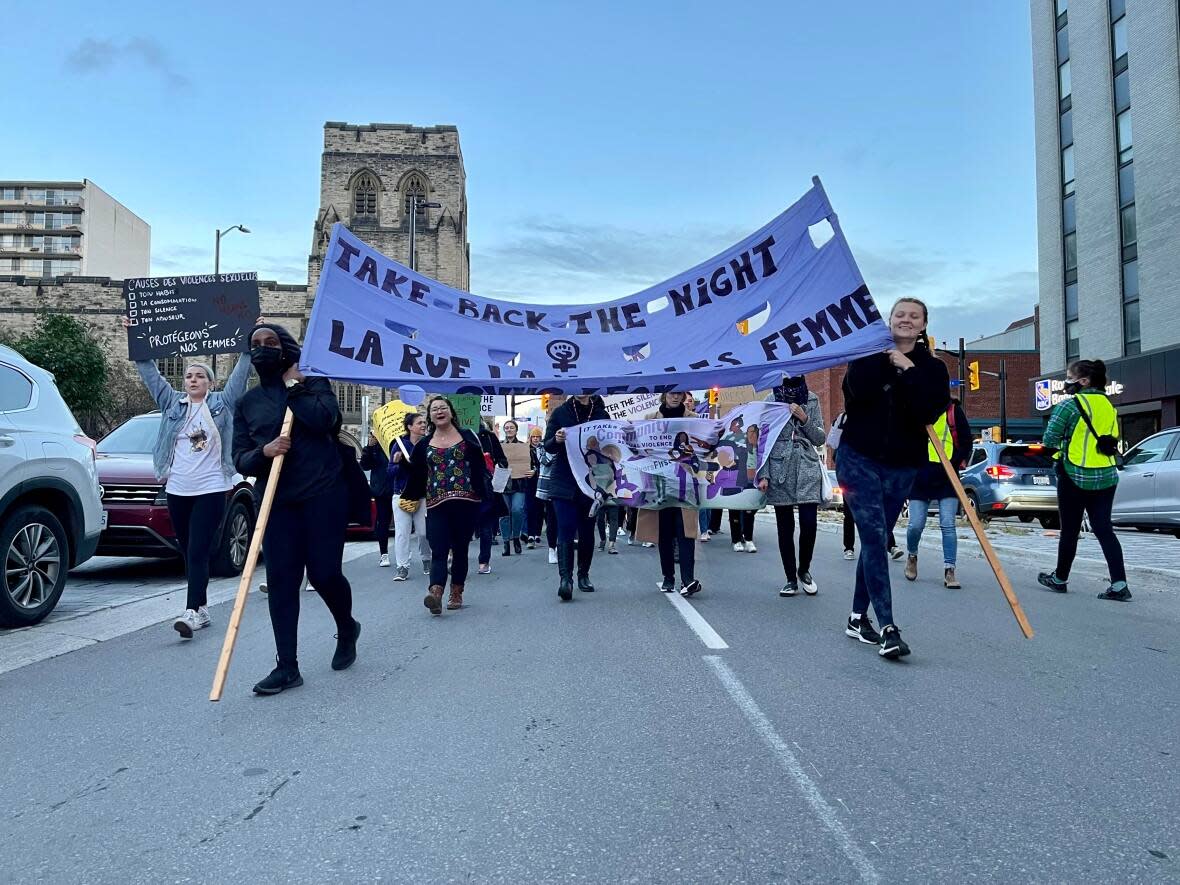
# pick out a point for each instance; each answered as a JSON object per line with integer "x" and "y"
{"x": 364, "y": 197}
{"x": 1070, "y": 244}
{"x": 1123, "y": 124}
{"x": 1064, "y": 82}
{"x": 1067, "y": 171}
{"x": 1118, "y": 33}
{"x": 1073, "y": 341}
{"x": 1069, "y": 221}
{"x": 1126, "y": 185}
{"x": 1067, "y": 128}
{"x": 1122, "y": 92}
{"x": 349, "y": 397}
{"x": 413, "y": 187}
{"x": 10, "y": 193}
{"x": 172, "y": 368}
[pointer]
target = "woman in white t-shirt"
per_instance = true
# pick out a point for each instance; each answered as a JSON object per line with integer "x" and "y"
{"x": 193, "y": 457}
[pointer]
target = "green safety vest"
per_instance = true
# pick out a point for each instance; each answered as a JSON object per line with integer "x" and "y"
{"x": 943, "y": 431}
{"x": 1083, "y": 445}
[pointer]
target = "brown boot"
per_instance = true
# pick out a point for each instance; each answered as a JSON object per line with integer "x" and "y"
{"x": 456, "y": 599}
{"x": 911, "y": 568}
{"x": 433, "y": 600}
{"x": 949, "y": 580}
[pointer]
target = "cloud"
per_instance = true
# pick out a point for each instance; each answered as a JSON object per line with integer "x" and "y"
{"x": 185, "y": 259}
{"x": 93, "y": 56}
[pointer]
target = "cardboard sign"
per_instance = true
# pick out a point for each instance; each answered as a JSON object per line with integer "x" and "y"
{"x": 195, "y": 316}
{"x": 387, "y": 423}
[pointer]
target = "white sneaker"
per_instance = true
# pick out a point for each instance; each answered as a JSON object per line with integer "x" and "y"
{"x": 750, "y": 548}
{"x": 739, "y": 547}
{"x": 383, "y": 562}
{"x": 553, "y": 556}
{"x": 203, "y": 619}
{"x": 705, "y": 535}
{"x": 186, "y": 624}
{"x": 849, "y": 555}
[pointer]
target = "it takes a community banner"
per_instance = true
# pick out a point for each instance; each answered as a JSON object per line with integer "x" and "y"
{"x": 375, "y": 321}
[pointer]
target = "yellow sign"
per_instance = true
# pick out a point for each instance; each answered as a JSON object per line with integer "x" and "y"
{"x": 387, "y": 422}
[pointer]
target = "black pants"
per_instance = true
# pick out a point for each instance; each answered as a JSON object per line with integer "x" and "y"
{"x": 850, "y": 531}
{"x": 784, "y": 517}
{"x": 1072, "y": 502}
{"x": 672, "y": 535}
{"x": 550, "y": 525}
{"x": 449, "y": 528}
{"x": 715, "y": 520}
{"x": 630, "y": 520}
{"x": 608, "y": 522}
{"x": 306, "y": 535}
{"x": 196, "y": 519}
{"x": 537, "y": 512}
{"x": 384, "y": 505}
{"x": 486, "y": 524}
{"x": 741, "y": 525}
{"x": 575, "y": 522}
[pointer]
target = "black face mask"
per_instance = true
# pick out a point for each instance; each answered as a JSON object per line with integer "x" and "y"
{"x": 1073, "y": 387}
{"x": 267, "y": 360}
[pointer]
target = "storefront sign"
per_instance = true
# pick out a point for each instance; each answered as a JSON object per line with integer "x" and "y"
{"x": 1051, "y": 391}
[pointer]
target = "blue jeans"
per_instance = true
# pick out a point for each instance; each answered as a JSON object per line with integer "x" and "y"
{"x": 948, "y": 509}
{"x": 875, "y": 493}
{"x": 512, "y": 525}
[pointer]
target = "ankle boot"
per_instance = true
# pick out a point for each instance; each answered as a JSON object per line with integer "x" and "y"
{"x": 507, "y": 549}
{"x": 433, "y": 600}
{"x": 911, "y": 568}
{"x": 584, "y": 582}
{"x": 949, "y": 580}
{"x": 565, "y": 568}
{"x": 455, "y": 601}
{"x": 585, "y": 557}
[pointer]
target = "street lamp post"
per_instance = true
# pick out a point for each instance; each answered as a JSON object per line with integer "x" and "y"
{"x": 415, "y": 208}
{"x": 217, "y": 245}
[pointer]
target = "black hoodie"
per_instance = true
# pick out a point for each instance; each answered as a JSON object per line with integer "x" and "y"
{"x": 562, "y": 484}
{"x": 313, "y": 464}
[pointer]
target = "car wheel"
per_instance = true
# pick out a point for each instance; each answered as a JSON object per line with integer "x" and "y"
{"x": 36, "y": 561}
{"x": 973, "y": 500}
{"x": 236, "y": 531}
{"x": 1050, "y": 522}
{"x": 1026, "y": 517}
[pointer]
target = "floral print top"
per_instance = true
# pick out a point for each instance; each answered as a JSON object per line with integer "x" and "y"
{"x": 448, "y": 475}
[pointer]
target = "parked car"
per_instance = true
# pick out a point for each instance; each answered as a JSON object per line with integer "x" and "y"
{"x": 1012, "y": 479}
{"x": 1148, "y": 494}
{"x": 50, "y": 515}
{"x": 138, "y": 522}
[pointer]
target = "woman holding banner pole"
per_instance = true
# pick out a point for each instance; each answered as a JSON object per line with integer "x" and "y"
{"x": 310, "y": 512}
{"x": 676, "y": 527}
{"x": 570, "y": 505}
{"x": 406, "y": 522}
{"x": 889, "y": 399}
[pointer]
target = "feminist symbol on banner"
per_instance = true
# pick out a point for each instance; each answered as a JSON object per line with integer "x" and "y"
{"x": 564, "y": 354}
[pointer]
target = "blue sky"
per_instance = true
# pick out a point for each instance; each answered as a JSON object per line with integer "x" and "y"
{"x": 607, "y": 145}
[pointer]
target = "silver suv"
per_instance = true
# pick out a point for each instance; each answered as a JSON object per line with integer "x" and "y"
{"x": 50, "y": 510}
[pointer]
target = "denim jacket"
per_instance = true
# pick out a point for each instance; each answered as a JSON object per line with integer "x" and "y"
{"x": 173, "y": 406}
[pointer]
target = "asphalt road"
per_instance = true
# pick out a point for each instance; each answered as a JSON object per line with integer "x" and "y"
{"x": 522, "y": 740}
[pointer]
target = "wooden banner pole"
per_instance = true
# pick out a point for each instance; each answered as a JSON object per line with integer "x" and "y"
{"x": 973, "y": 517}
{"x": 235, "y": 619}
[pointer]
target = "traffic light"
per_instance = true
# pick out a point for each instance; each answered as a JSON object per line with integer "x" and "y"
{"x": 714, "y": 393}
{"x": 545, "y": 403}
{"x": 973, "y": 375}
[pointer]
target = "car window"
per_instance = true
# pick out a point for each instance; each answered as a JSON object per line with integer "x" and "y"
{"x": 135, "y": 437}
{"x": 978, "y": 457}
{"x": 16, "y": 391}
{"x": 1150, "y": 450}
{"x": 1025, "y": 456}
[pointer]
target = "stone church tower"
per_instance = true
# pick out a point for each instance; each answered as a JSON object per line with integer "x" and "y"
{"x": 367, "y": 177}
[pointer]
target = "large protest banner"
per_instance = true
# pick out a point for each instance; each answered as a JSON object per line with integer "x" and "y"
{"x": 375, "y": 321}
{"x": 191, "y": 316}
{"x": 700, "y": 463}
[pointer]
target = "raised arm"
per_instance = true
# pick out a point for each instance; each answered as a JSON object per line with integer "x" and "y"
{"x": 163, "y": 393}
{"x": 235, "y": 385}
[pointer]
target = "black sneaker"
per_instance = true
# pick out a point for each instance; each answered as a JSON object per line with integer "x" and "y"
{"x": 667, "y": 585}
{"x": 346, "y": 648}
{"x": 861, "y": 629}
{"x": 1118, "y": 591}
{"x": 808, "y": 583}
{"x": 892, "y": 645}
{"x": 896, "y": 553}
{"x": 791, "y": 588}
{"x": 280, "y": 679}
{"x": 690, "y": 589}
{"x": 1051, "y": 581}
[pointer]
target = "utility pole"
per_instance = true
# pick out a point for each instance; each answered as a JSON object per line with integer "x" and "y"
{"x": 1003, "y": 400}
{"x": 963, "y": 385}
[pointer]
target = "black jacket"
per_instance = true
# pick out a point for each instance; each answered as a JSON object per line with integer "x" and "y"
{"x": 561, "y": 479}
{"x": 491, "y": 445}
{"x": 887, "y": 410}
{"x": 931, "y": 483}
{"x": 416, "y": 482}
{"x": 374, "y": 459}
{"x": 313, "y": 464}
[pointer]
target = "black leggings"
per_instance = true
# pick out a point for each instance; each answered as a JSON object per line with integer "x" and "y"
{"x": 449, "y": 528}
{"x": 608, "y": 522}
{"x": 741, "y": 525}
{"x": 550, "y": 525}
{"x": 850, "y": 531}
{"x": 671, "y": 526}
{"x": 384, "y": 505}
{"x": 1072, "y": 502}
{"x": 306, "y": 535}
{"x": 784, "y": 517}
{"x": 195, "y": 519}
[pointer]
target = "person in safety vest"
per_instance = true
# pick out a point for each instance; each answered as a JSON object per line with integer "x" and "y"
{"x": 933, "y": 487}
{"x": 1085, "y": 431}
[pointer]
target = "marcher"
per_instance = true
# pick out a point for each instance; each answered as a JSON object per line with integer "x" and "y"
{"x": 448, "y": 469}
{"x": 889, "y": 398}
{"x": 374, "y": 460}
{"x": 792, "y": 477}
{"x": 544, "y": 469}
{"x": 933, "y": 486}
{"x": 492, "y": 507}
{"x": 675, "y": 528}
{"x": 536, "y": 507}
{"x": 1085, "y": 431}
{"x": 571, "y": 506}
{"x": 192, "y": 455}
{"x": 741, "y": 528}
{"x": 849, "y": 534}
{"x": 310, "y": 512}
{"x": 519, "y": 456}
{"x": 406, "y": 522}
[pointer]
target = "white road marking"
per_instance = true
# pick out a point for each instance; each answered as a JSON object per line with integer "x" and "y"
{"x": 698, "y": 624}
{"x": 788, "y": 760}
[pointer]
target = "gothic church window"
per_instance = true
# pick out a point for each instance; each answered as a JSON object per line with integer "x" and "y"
{"x": 414, "y": 186}
{"x": 364, "y": 197}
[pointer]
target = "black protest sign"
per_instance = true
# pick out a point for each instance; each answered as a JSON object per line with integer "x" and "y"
{"x": 190, "y": 316}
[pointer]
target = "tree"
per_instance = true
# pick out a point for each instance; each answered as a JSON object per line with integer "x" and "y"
{"x": 63, "y": 346}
